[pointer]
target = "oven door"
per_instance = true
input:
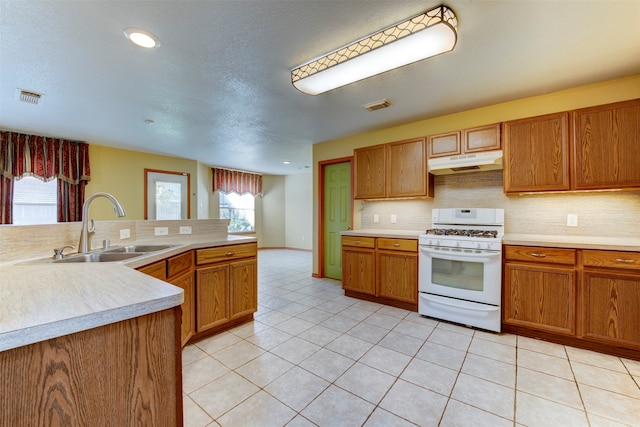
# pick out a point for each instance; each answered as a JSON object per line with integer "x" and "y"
{"x": 467, "y": 274}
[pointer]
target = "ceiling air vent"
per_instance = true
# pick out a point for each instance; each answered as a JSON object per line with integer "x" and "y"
{"x": 377, "y": 105}
{"x": 29, "y": 96}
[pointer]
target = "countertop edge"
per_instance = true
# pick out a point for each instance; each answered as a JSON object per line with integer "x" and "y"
{"x": 167, "y": 295}
{"x": 371, "y": 232}
{"x": 574, "y": 242}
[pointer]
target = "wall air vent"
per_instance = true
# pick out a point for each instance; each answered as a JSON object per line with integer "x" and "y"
{"x": 377, "y": 105}
{"x": 28, "y": 96}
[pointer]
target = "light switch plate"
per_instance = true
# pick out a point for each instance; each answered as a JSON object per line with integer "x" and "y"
{"x": 572, "y": 220}
{"x": 161, "y": 231}
{"x": 376, "y": 218}
{"x": 185, "y": 230}
{"x": 125, "y": 233}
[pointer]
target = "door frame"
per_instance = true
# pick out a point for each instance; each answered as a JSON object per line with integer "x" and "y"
{"x": 321, "y": 166}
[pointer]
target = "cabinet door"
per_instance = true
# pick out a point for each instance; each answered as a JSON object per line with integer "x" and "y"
{"x": 607, "y": 152}
{"x": 243, "y": 291}
{"x": 536, "y": 154}
{"x": 185, "y": 282}
{"x": 358, "y": 270}
{"x": 540, "y": 297}
{"x": 212, "y": 297}
{"x": 406, "y": 169}
{"x": 484, "y": 138}
{"x": 444, "y": 144}
{"x": 398, "y": 276}
{"x": 611, "y": 310}
{"x": 369, "y": 170}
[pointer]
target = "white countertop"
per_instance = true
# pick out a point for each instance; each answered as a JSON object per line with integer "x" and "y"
{"x": 575, "y": 242}
{"x": 41, "y": 300}
{"x": 373, "y": 232}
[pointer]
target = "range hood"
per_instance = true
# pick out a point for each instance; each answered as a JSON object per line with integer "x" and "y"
{"x": 473, "y": 162}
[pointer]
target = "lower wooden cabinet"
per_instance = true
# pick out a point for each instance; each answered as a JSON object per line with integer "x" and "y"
{"x": 381, "y": 269}
{"x": 540, "y": 297}
{"x": 220, "y": 287}
{"x": 178, "y": 271}
{"x": 185, "y": 281}
{"x": 584, "y": 298}
{"x": 611, "y": 297}
{"x": 359, "y": 264}
{"x": 397, "y": 276}
{"x": 226, "y": 287}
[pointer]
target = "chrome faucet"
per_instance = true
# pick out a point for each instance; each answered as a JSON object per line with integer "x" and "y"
{"x": 88, "y": 232}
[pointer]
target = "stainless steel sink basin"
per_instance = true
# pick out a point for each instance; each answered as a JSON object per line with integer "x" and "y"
{"x": 138, "y": 248}
{"x": 99, "y": 257}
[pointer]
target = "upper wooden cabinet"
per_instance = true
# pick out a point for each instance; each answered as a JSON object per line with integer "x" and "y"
{"x": 406, "y": 169}
{"x": 588, "y": 149}
{"x": 445, "y": 144}
{"x": 536, "y": 153}
{"x": 393, "y": 170}
{"x": 370, "y": 172}
{"x": 473, "y": 140}
{"x": 607, "y": 146}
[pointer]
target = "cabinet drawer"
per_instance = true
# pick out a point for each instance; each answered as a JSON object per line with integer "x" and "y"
{"x": 408, "y": 245}
{"x": 361, "y": 242}
{"x": 179, "y": 264}
{"x": 225, "y": 253}
{"x": 157, "y": 270}
{"x": 612, "y": 259}
{"x": 540, "y": 254}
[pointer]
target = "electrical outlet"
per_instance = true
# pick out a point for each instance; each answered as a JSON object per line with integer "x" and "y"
{"x": 572, "y": 220}
{"x": 376, "y": 218}
{"x": 185, "y": 230}
{"x": 394, "y": 218}
{"x": 125, "y": 234}
{"x": 162, "y": 231}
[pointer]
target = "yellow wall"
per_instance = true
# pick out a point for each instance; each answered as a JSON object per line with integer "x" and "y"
{"x": 569, "y": 99}
{"x": 121, "y": 173}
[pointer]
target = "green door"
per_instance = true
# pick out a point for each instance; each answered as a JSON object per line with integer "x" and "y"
{"x": 337, "y": 215}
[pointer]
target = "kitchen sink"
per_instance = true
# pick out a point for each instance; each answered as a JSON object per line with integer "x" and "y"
{"x": 99, "y": 257}
{"x": 138, "y": 249}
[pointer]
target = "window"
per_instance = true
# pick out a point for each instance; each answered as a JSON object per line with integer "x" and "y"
{"x": 35, "y": 201}
{"x": 240, "y": 210}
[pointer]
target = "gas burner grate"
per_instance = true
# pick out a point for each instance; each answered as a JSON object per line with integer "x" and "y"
{"x": 464, "y": 233}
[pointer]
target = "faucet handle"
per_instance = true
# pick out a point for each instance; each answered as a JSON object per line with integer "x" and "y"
{"x": 58, "y": 251}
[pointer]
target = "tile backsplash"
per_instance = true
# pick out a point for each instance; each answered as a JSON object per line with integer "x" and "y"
{"x": 38, "y": 241}
{"x": 606, "y": 213}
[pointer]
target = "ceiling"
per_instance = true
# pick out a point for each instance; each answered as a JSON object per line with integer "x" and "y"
{"x": 218, "y": 88}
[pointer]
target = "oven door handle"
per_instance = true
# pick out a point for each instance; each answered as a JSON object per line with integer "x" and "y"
{"x": 483, "y": 254}
{"x": 438, "y": 301}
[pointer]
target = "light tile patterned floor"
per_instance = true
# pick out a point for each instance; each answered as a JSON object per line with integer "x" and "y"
{"x": 315, "y": 357}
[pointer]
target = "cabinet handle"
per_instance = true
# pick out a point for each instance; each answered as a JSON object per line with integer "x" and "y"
{"x": 229, "y": 254}
{"x": 537, "y": 255}
{"x": 357, "y": 242}
{"x": 396, "y": 245}
{"x": 626, "y": 261}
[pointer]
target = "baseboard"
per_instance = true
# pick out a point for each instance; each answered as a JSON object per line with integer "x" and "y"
{"x": 285, "y": 248}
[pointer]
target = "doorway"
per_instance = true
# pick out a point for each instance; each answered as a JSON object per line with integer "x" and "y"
{"x": 336, "y": 208}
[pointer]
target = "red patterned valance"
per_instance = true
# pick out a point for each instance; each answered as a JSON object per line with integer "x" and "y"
{"x": 46, "y": 158}
{"x": 229, "y": 181}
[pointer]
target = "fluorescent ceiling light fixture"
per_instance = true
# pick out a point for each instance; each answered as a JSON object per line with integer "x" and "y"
{"x": 420, "y": 37}
{"x": 142, "y": 38}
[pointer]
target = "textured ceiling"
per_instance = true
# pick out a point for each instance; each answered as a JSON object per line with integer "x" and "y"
{"x": 219, "y": 87}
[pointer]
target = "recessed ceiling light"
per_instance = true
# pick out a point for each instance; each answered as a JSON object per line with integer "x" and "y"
{"x": 149, "y": 121}
{"x": 286, "y": 162}
{"x": 142, "y": 38}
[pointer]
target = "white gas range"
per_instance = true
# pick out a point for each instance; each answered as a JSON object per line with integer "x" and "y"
{"x": 460, "y": 267}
